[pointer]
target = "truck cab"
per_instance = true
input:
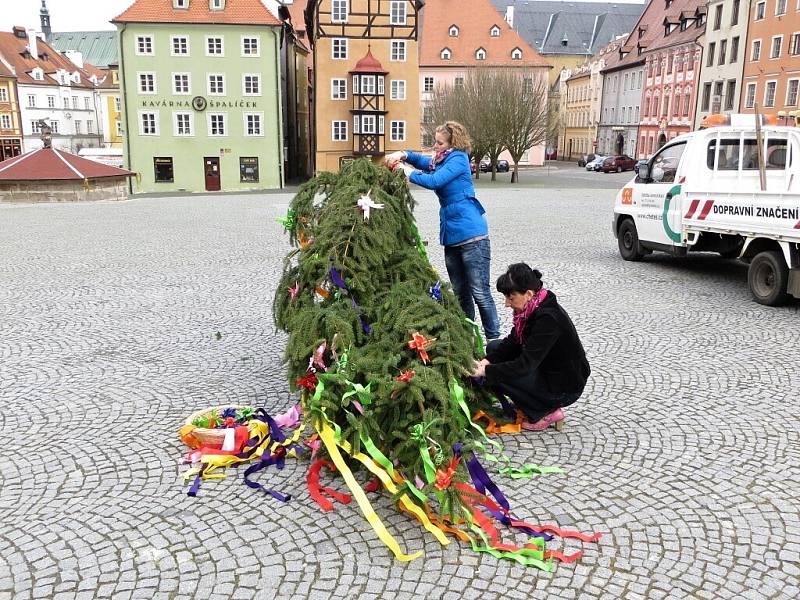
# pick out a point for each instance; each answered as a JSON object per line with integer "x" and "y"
{"x": 731, "y": 189}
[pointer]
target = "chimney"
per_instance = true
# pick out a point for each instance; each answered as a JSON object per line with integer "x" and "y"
{"x": 75, "y": 56}
{"x": 33, "y": 46}
{"x": 510, "y": 16}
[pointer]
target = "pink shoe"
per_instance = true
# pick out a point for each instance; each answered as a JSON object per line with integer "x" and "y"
{"x": 555, "y": 418}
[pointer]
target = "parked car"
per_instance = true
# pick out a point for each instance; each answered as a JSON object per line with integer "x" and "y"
{"x": 503, "y": 166}
{"x": 586, "y": 158}
{"x": 618, "y": 163}
{"x": 594, "y": 165}
{"x": 472, "y": 166}
{"x": 643, "y": 161}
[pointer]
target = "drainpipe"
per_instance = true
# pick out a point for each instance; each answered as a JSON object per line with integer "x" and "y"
{"x": 279, "y": 111}
{"x": 124, "y": 99}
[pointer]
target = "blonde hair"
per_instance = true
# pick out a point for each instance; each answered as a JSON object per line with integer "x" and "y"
{"x": 456, "y": 135}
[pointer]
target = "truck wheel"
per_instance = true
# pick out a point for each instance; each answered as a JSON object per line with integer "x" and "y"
{"x": 628, "y": 240}
{"x": 767, "y": 278}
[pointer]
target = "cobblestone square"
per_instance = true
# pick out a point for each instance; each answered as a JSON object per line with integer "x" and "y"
{"x": 120, "y": 319}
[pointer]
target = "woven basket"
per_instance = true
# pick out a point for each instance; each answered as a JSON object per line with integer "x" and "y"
{"x": 210, "y": 437}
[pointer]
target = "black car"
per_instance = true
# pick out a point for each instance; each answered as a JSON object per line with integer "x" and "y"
{"x": 502, "y": 166}
{"x": 586, "y": 158}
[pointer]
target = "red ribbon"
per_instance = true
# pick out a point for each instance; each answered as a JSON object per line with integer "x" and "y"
{"x": 315, "y": 490}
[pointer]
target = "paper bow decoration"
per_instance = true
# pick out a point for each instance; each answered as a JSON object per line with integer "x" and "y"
{"x": 365, "y": 203}
{"x": 436, "y": 291}
{"x": 317, "y": 360}
{"x": 293, "y": 291}
{"x": 419, "y": 343}
{"x": 309, "y": 381}
{"x": 406, "y": 376}
{"x": 288, "y": 221}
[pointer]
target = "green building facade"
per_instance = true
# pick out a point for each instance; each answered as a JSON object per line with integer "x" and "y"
{"x": 201, "y": 106}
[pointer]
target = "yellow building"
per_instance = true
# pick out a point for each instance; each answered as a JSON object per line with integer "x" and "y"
{"x": 366, "y": 78}
{"x": 10, "y": 123}
{"x": 112, "y": 109}
{"x": 578, "y": 123}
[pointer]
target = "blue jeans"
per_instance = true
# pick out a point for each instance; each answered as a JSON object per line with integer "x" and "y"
{"x": 468, "y": 269}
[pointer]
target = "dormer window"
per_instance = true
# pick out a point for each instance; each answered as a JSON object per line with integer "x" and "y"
{"x": 215, "y": 4}
{"x": 480, "y": 54}
{"x": 516, "y": 54}
{"x": 180, "y": 3}
{"x": 76, "y": 77}
{"x": 565, "y": 40}
{"x": 494, "y": 31}
{"x": 37, "y": 74}
{"x": 453, "y": 31}
{"x": 445, "y": 54}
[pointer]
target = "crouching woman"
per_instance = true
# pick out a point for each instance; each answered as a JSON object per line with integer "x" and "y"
{"x": 541, "y": 366}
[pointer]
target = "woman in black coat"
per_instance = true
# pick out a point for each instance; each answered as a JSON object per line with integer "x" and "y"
{"x": 541, "y": 366}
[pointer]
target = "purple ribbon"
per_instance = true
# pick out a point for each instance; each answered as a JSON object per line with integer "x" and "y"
{"x": 337, "y": 280}
{"x": 278, "y": 459}
{"x": 482, "y": 482}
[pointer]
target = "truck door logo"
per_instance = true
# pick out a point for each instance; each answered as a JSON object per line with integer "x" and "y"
{"x": 673, "y": 235}
{"x": 627, "y": 195}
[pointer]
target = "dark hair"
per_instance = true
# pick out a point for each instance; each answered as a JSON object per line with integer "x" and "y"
{"x": 519, "y": 278}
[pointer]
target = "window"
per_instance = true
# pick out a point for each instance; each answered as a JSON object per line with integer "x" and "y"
{"x": 458, "y": 82}
{"x": 427, "y": 139}
{"x": 794, "y": 44}
{"x": 777, "y": 43}
{"x": 216, "y": 85}
{"x": 780, "y": 7}
{"x": 78, "y": 126}
{"x": 734, "y": 50}
{"x": 339, "y": 89}
{"x": 723, "y": 47}
{"x": 398, "y": 131}
{"x": 4, "y": 95}
{"x": 427, "y": 115}
{"x": 250, "y": 46}
{"x": 65, "y": 101}
{"x": 117, "y": 104}
{"x": 527, "y": 85}
{"x": 398, "y": 13}
{"x": 664, "y": 165}
{"x": 445, "y": 54}
{"x": 217, "y": 4}
{"x": 89, "y": 126}
{"x": 252, "y": 124}
{"x": 791, "y": 92}
{"x": 148, "y": 123}
{"x": 516, "y": 54}
{"x": 398, "y": 53}
{"x": 144, "y": 45}
{"x": 180, "y": 83}
{"x": 251, "y": 84}
{"x": 5, "y": 121}
{"x": 147, "y": 83}
{"x": 427, "y": 84}
{"x": 368, "y": 85}
{"x": 181, "y": 4}
{"x": 453, "y": 31}
{"x": 162, "y": 166}
{"x": 735, "y": 13}
{"x": 339, "y": 131}
{"x": 718, "y": 17}
{"x": 248, "y": 169}
{"x": 398, "y": 89}
{"x": 183, "y": 123}
{"x": 217, "y": 124}
{"x": 494, "y": 31}
{"x": 480, "y": 54}
{"x": 31, "y": 101}
{"x": 750, "y": 96}
{"x": 75, "y": 103}
{"x": 711, "y": 49}
{"x": 730, "y": 93}
{"x": 756, "y": 54}
{"x": 339, "y": 48}
{"x": 769, "y": 93}
{"x": 36, "y": 127}
{"x": 119, "y": 128}
{"x": 760, "y": 10}
{"x": 51, "y": 100}
{"x": 180, "y": 45}
{"x": 215, "y": 46}
{"x": 706, "y": 97}
{"x": 368, "y": 124}
{"x": 733, "y": 151}
{"x": 339, "y": 11}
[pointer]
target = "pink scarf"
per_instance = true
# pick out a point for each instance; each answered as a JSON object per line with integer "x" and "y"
{"x": 521, "y": 318}
{"x": 438, "y": 158}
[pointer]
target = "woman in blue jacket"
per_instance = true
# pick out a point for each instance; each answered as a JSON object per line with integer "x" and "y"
{"x": 463, "y": 230}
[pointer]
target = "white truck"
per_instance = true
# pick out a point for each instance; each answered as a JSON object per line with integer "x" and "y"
{"x": 708, "y": 191}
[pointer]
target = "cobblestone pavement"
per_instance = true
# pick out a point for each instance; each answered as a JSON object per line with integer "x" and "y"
{"x": 118, "y": 320}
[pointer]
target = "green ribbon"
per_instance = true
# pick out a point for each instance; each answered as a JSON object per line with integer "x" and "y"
{"x": 528, "y": 557}
{"x": 477, "y": 339}
{"x": 364, "y": 394}
{"x": 418, "y": 434}
{"x": 457, "y": 394}
{"x": 288, "y": 221}
{"x": 420, "y": 245}
{"x": 529, "y": 470}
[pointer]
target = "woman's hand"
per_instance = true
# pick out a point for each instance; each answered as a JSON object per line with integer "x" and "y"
{"x": 480, "y": 368}
{"x": 393, "y": 159}
{"x": 407, "y": 169}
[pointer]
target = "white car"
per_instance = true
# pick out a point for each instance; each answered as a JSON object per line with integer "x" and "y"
{"x": 594, "y": 165}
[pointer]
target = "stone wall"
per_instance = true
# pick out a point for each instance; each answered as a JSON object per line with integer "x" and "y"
{"x": 108, "y": 188}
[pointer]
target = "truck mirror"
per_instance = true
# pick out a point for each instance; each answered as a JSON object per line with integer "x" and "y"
{"x": 644, "y": 172}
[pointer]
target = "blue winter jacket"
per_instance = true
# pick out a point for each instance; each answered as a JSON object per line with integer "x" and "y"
{"x": 461, "y": 216}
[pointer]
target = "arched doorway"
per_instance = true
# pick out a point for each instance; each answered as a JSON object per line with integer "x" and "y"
{"x": 620, "y": 144}
{"x": 662, "y": 139}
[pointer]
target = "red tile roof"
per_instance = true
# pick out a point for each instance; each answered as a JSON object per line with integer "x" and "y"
{"x": 236, "y": 12}
{"x": 47, "y": 164}
{"x": 474, "y": 24}
{"x": 4, "y": 70}
{"x": 13, "y": 49}
{"x": 369, "y": 64}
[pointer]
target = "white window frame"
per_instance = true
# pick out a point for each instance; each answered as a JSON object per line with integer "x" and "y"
{"x": 398, "y": 48}
{"x": 258, "y": 82}
{"x": 494, "y": 31}
{"x": 175, "y": 129}
{"x": 173, "y": 39}
{"x": 339, "y": 88}
{"x": 117, "y": 104}
{"x": 156, "y": 125}
{"x": 774, "y": 94}
{"x": 188, "y": 91}
{"x": 747, "y": 102}
{"x": 516, "y": 54}
{"x": 381, "y": 85}
{"x": 4, "y": 94}
{"x": 142, "y": 91}
{"x": 756, "y": 43}
{"x": 219, "y": 54}
{"x": 224, "y": 116}
{"x": 480, "y": 54}
{"x": 454, "y": 31}
{"x": 796, "y": 91}
{"x": 772, "y": 47}
{"x": 137, "y": 47}
{"x": 396, "y": 87}
{"x": 118, "y": 127}
{"x": 369, "y": 125}
{"x": 86, "y": 103}
{"x": 397, "y": 136}
{"x": 342, "y": 45}
{"x": 397, "y": 12}
{"x": 760, "y": 6}
{"x": 183, "y": 4}
{"x": 425, "y": 87}
{"x": 381, "y": 121}
{"x": 777, "y": 7}
{"x": 51, "y": 100}
{"x": 336, "y": 10}
{"x": 5, "y": 121}
{"x": 369, "y": 89}
{"x": 356, "y": 124}
{"x": 445, "y": 54}
{"x": 255, "y": 54}
{"x": 208, "y": 84}
{"x": 216, "y": 4}
{"x": 343, "y": 127}
{"x": 260, "y": 116}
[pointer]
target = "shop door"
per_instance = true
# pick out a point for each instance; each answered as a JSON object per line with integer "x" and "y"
{"x": 212, "y": 173}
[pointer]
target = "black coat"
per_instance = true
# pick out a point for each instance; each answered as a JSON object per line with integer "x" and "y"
{"x": 549, "y": 344}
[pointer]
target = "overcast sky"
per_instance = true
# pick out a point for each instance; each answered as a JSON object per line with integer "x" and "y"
{"x": 79, "y": 15}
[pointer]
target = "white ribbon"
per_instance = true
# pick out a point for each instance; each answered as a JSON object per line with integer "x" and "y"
{"x": 365, "y": 203}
